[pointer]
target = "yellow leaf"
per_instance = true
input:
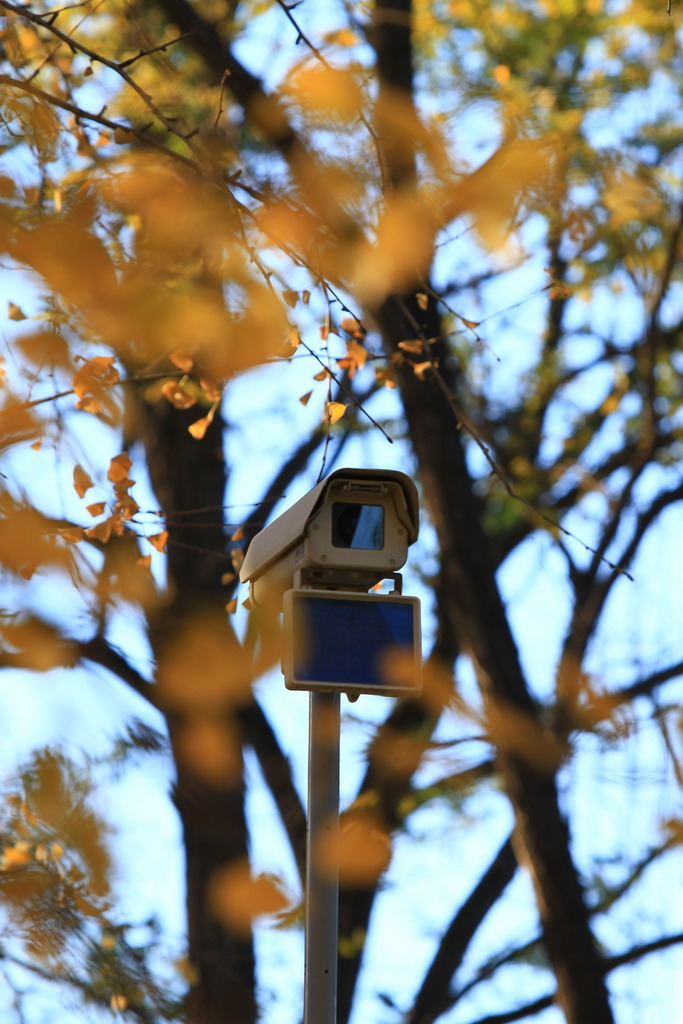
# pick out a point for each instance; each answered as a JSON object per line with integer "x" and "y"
{"x": 631, "y": 197}
{"x": 335, "y": 411}
{"x": 89, "y": 404}
{"x": 402, "y": 252}
{"x": 118, "y": 468}
{"x": 291, "y": 298}
{"x": 101, "y": 532}
{"x": 227, "y": 577}
{"x": 472, "y": 324}
{"x": 82, "y": 482}
{"x": 15, "y": 312}
{"x": 352, "y": 326}
{"x": 342, "y": 37}
{"x": 199, "y": 428}
{"x": 187, "y": 970}
{"x": 95, "y": 373}
{"x": 73, "y": 534}
{"x": 45, "y": 346}
{"x": 355, "y": 358}
{"x": 16, "y": 855}
{"x": 37, "y": 445}
{"x": 231, "y": 606}
{"x": 360, "y": 852}
{"x": 492, "y": 192}
{"x": 385, "y": 375}
{"x": 96, "y": 509}
{"x": 325, "y": 90}
{"x": 122, "y": 136}
{"x": 422, "y": 300}
{"x": 17, "y": 424}
{"x": 238, "y": 534}
{"x": 175, "y": 393}
{"x": 323, "y": 374}
{"x": 415, "y": 346}
{"x": 38, "y": 645}
{"x": 237, "y": 897}
{"x": 211, "y": 389}
{"x": 291, "y": 345}
{"x": 305, "y": 398}
{"x": 182, "y": 359}
{"x": 501, "y": 74}
{"x": 158, "y": 541}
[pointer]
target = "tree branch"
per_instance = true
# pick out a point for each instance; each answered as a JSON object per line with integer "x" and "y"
{"x": 648, "y": 684}
{"x": 99, "y": 651}
{"x": 277, "y": 772}
{"x": 611, "y": 964}
{"x": 433, "y": 998}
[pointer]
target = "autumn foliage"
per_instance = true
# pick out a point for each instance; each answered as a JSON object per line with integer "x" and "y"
{"x": 237, "y": 241}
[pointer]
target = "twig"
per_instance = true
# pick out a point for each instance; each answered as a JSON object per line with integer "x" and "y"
{"x": 154, "y": 49}
{"x": 73, "y": 44}
{"x": 226, "y": 73}
{"x": 48, "y": 56}
{"x": 465, "y": 421}
{"x": 141, "y": 378}
{"x": 301, "y": 37}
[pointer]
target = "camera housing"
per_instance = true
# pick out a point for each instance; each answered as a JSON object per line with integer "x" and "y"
{"x": 350, "y": 531}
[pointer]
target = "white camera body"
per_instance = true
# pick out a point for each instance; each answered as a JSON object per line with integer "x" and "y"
{"x": 350, "y": 531}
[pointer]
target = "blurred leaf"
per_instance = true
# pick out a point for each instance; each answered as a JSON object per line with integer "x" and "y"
{"x": 96, "y": 509}
{"x": 158, "y": 541}
{"x": 15, "y": 312}
{"x": 360, "y": 852}
{"x": 199, "y": 428}
{"x": 325, "y": 90}
{"x": 179, "y": 397}
{"x": 237, "y": 898}
{"x": 119, "y": 467}
{"x": 335, "y": 411}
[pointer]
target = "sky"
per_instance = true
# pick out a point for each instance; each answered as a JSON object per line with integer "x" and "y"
{"x": 435, "y": 863}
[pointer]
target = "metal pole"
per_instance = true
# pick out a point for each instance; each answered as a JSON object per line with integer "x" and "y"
{"x": 322, "y": 886}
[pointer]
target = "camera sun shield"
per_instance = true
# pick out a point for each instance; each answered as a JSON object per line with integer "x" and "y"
{"x": 347, "y": 533}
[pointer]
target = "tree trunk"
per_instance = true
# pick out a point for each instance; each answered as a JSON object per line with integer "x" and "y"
{"x": 528, "y": 757}
{"x": 189, "y": 480}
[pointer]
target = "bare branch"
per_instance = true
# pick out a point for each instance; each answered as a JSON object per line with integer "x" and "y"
{"x": 611, "y": 964}
{"x": 102, "y": 653}
{"x": 433, "y": 998}
{"x": 646, "y": 686}
{"x": 154, "y": 49}
{"x": 94, "y": 56}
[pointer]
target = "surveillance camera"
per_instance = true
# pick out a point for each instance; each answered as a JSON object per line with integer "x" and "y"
{"x": 349, "y": 532}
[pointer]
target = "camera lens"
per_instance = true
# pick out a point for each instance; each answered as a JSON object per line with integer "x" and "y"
{"x": 357, "y": 526}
